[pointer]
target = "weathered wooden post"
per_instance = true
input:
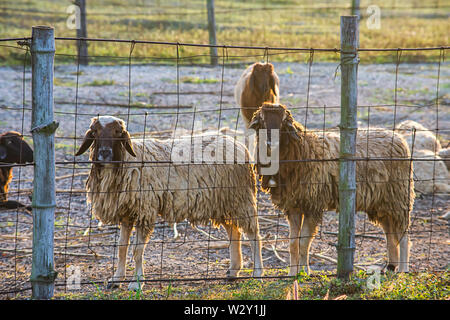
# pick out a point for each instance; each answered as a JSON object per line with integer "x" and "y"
{"x": 356, "y": 9}
{"x": 348, "y": 130}
{"x": 43, "y": 128}
{"x": 82, "y": 33}
{"x": 212, "y": 32}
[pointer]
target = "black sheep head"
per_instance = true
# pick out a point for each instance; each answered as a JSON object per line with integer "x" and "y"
{"x": 13, "y": 149}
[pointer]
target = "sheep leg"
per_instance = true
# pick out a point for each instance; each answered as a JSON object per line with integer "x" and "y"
{"x": 255, "y": 242}
{"x": 235, "y": 250}
{"x": 295, "y": 225}
{"x": 404, "y": 253}
{"x": 119, "y": 275}
{"x": 392, "y": 241}
{"x": 142, "y": 237}
{"x": 309, "y": 230}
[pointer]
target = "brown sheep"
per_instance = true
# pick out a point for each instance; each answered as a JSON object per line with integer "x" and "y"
{"x": 258, "y": 84}
{"x": 305, "y": 189}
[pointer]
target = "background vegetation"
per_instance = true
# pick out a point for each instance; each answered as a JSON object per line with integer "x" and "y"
{"x": 276, "y": 23}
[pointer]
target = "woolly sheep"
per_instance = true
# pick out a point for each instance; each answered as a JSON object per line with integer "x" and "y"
{"x": 445, "y": 155}
{"x": 424, "y": 139}
{"x": 13, "y": 149}
{"x": 385, "y": 189}
{"x": 429, "y": 176}
{"x": 130, "y": 194}
{"x": 259, "y": 83}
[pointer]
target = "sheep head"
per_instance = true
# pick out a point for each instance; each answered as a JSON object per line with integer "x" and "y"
{"x": 275, "y": 117}
{"x": 13, "y": 149}
{"x": 263, "y": 80}
{"x": 107, "y": 135}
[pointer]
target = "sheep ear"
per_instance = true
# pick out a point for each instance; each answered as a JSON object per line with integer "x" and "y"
{"x": 292, "y": 131}
{"x": 272, "y": 85}
{"x": 88, "y": 140}
{"x": 127, "y": 143}
{"x": 3, "y": 153}
{"x": 254, "y": 124}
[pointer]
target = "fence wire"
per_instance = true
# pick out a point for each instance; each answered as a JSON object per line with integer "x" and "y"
{"x": 160, "y": 96}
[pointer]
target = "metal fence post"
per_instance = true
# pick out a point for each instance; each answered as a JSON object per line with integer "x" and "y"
{"x": 43, "y": 128}
{"x": 212, "y": 31}
{"x": 348, "y": 130}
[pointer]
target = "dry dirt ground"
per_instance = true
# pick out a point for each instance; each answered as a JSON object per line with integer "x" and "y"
{"x": 206, "y": 95}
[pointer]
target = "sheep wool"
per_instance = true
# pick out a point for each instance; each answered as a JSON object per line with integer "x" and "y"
{"x": 383, "y": 187}
{"x": 176, "y": 191}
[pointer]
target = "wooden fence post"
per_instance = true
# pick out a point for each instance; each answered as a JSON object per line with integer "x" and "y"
{"x": 212, "y": 32}
{"x": 42, "y": 128}
{"x": 356, "y": 11}
{"x": 82, "y": 33}
{"x": 348, "y": 130}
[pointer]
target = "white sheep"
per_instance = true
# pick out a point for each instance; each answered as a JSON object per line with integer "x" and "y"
{"x": 423, "y": 139}
{"x": 134, "y": 194}
{"x": 430, "y": 175}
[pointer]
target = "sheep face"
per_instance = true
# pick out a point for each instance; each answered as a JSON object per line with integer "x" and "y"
{"x": 13, "y": 149}
{"x": 263, "y": 81}
{"x": 107, "y": 136}
{"x": 274, "y": 117}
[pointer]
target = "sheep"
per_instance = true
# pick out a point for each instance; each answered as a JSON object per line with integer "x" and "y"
{"x": 430, "y": 176}
{"x": 423, "y": 137}
{"x": 385, "y": 189}
{"x": 259, "y": 83}
{"x": 444, "y": 153}
{"x": 13, "y": 149}
{"x": 133, "y": 194}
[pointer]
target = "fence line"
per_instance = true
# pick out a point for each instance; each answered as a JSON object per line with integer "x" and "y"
{"x": 162, "y": 238}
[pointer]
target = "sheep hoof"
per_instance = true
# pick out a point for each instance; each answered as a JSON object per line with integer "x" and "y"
{"x": 135, "y": 286}
{"x": 112, "y": 284}
{"x": 391, "y": 267}
{"x": 258, "y": 273}
{"x": 232, "y": 275}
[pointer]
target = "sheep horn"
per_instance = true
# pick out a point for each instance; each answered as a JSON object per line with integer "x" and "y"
{"x": 254, "y": 124}
{"x": 127, "y": 143}
{"x": 88, "y": 140}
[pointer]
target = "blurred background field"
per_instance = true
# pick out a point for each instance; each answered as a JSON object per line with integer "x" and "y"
{"x": 276, "y": 23}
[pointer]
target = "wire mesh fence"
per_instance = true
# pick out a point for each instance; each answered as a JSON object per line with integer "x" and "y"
{"x": 160, "y": 96}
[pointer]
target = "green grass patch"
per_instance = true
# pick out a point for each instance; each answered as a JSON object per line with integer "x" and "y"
{"x": 194, "y": 80}
{"x": 319, "y": 286}
{"x": 294, "y": 23}
{"x": 99, "y": 83}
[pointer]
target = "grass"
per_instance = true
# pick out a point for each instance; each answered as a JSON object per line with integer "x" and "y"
{"x": 195, "y": 80}
{"x": 99, "y": 83}
{"x": 289, "y": 23}
{"x": 320, "y": 286}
